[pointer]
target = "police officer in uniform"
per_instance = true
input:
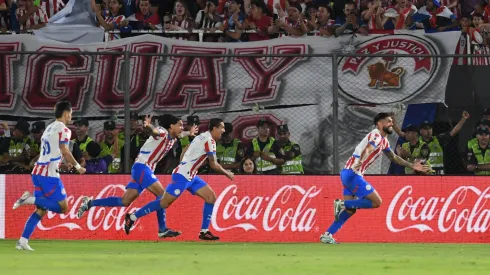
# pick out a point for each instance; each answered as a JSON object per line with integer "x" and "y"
{"x": 288, "y": 154}
{"x": 82, "y": 139}
{"x": 479, "y": 154}
{"x": 110, "y": 146}
{"x": 484, "y": 123}
{"x": 414, "y": 148}
{"x": 15, "y": 149}
{"x": 261, "y": 146}
{"x": 229, "y": 150}
{"x": 37, "y": 131}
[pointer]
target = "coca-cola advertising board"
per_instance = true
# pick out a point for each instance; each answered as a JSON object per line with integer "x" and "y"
{"x": 271, "y": 209}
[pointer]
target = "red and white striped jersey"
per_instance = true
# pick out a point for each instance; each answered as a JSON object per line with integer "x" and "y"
{"x": 455, "y": 10}
{"x": 155, "y": 148}
{"x": 38, "y": 17}
{"x": 379, "y": 143}
{"x": 115, "y": 20}
{"x": 479, "y": 47}
{"x": 186, "y": 23}
{"x": 52, "y": 7}
{"x": 199, "y": 149}
{"x": 50, "y": 154}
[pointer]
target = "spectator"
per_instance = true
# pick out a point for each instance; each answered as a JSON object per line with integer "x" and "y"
{"x": 479, "y": 154}
{"x": 414, "y": 149}
{"x": 321, "y": 22}
{"x": 81, "y": 129}
{"x": 484, "y": 11}
{"x": 4, "y": 16}
{"x": 479, "y": 39}
{"x": 110, "y": 146}
{"x": 258, "y": 21}
{"x": 37, "y": 131}
{"x": 454, "y": 6}
{"x": 232, "y": 28}
{"x": 404, "y": 11}
{"x": 29, "y": 16}
{"x": 209, "y": 20}
{"x": 112, "y": 18}
{"x": 52, "y": 7}
{"x": 136, "y": 139}
{"x": 349, "y": 22}
{"x": 15, "y": 149}
{"x": 181, "y": 21}
{"x": 247, "y": 166}
{"x": 95, "y": 164}
{"x": 262, "y": 145}
{"x": 436, "y": 17}
{"x": 484, "y": 123}
{"x": 293, "y": 25}
{"x": 146, "y": 19}
{"x": 229, "y": 150}
{"x": 464, "y": 42}
{"x": 287, "y": 153}
{"x": 374, "y": 15}
{"x": 436, "y": 143}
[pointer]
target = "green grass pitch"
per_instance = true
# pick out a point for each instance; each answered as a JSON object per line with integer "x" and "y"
{"x": 173, "y": 258}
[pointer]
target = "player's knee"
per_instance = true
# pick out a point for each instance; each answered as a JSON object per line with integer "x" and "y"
{"x": 40, "y": 212}
{"x": 126, "y": 202}
{"x": 165, "y": 203}
{"x": 351, "y": 211}
{"x": 377, "y": 203}
{"x": 211, "y": 198}
{"x": 64, "y": 208}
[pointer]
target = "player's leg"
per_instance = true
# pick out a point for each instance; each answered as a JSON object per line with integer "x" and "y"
{"x": 172, "y": 192}
{"x": 327, "y": 237}
{"x": 156, "y": 189}
{"x": 133, "y": 190}
{"x": 23, "y": 242}
{"x": 202, "y": 189}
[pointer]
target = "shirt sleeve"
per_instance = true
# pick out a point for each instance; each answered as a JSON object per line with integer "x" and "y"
{"x": 77, "y": 153}
{"x": 386, "y": 145}
{"x": 375, "y": 139}
{"x": 471, "y": 158}
{"x": 444, "y": 138}
{"x": 240, "y": 152}
{"x": 162, "y": 132}
{"x": 65, "y": 135}
{"x": 276, "y": 149}
{"x": 210, "y": 147}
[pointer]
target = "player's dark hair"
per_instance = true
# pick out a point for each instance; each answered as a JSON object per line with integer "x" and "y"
{"x": 166, "y": 120}
{"x": 61, "y": 107}
{"x": 476, "y": 14}
{"x": 214, "y": 123}
{"x": 380, "y": 116}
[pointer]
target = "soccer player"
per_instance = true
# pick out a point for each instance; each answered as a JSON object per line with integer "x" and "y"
{"x": 160, "y": 142}
{"x": 184, "y": 178}
{"x": 49, "y": 192}
{"x": 358, "y": 193}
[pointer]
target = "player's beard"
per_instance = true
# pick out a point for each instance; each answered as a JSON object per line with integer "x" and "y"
{"x": 388, "y": 130}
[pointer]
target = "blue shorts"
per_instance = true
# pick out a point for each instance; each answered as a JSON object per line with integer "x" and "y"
{"x": 48, "y": 187}
{"x": 141, "y": 177}
{"x": 354, "y": 184}
{"x": 180, "y": 183}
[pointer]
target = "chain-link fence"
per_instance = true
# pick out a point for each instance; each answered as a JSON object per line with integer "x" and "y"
{"x": 327, "y": 101}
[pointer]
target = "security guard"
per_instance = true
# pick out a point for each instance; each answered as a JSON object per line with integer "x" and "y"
{"x": 37, "y": 131}
{"x": 414, "y": 148}
{"x": 479, "y": 154}
{"x": 136, "y": 139}
{"x": 81, "y": 130}
{"x": 110, "y": 146}
{"x": 229, "y": 150}
{"x": 15, "y": 149}
{"x": 288, "y": 154}
{"x": 474, "y": 141}
{"x": 262, "y": 145}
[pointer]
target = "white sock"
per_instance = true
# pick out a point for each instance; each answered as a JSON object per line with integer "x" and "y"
{"x": 133, "y": 217}
{"x": 23, "y": 240}
{"x": 204, "y": 230}
{"x": 30, "y": 200}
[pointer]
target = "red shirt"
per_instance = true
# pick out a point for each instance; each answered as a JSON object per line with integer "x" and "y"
{"x": 261, "y": 24}
{"x": 150, "y": 18}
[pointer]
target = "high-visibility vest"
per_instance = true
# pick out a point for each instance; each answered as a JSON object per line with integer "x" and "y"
{"x": 416, "y": 154}
{"x": 227, "y": 155}
{"x": 436, "y": 157}
{"x": 482, "y": 159}
{"x": 108, "y": 150}
{"x": 293, "y": 166}
{"x": 262, "y": 165}
{"x": 83, "y": 145}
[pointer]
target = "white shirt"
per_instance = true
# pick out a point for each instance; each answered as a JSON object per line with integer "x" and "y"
{"x": 199, "y": 149}
{"x": 50, "y": 154}
{"x": 155, "y": 148}
{"x": 379, "y": 143}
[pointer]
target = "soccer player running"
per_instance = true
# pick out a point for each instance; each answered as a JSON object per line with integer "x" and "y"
{"x": 184, "y": 178}
{"x": 49, "y": 192}
{"x": 358, "y": 193}
{"x": 160, "y": 142}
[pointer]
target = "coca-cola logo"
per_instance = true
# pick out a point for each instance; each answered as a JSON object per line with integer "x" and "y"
{"x": 97, "y": 218}
{"x": 287, "y": 209}
{"x": 464, "y": 210}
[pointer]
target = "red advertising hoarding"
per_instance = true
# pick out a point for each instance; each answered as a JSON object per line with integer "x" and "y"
{"x": 273, "y": 209}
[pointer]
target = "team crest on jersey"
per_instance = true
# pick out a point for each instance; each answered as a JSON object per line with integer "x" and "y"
{"x": 388, "y": 79}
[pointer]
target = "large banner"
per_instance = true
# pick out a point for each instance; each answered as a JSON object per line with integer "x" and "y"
{"x": 296, "y": 90}
{"x": 272, "y": 209}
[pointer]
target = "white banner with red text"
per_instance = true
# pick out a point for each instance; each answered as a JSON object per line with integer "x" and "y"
{"x": 271, "y": 209}
{"x": 296, "y": 90}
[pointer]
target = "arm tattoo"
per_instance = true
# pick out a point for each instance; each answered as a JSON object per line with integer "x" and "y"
{"x": 398, "y": 160}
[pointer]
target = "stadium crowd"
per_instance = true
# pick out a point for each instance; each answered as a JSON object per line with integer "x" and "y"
{"x": 264, "y": 154}
{"x": 253, "y": 20}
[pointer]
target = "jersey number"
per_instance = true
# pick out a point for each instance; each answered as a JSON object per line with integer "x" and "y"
{"x": 46, "y": 148}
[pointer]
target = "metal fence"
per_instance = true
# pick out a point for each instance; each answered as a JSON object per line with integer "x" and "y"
{"x": 328, "y": 101}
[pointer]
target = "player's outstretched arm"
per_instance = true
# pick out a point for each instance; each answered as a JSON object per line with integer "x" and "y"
{"x": 417, "y": 166}
{"x": 147, "y": 124}
{"x": 193, "y": 131}
{"x": 65, "y": 151}
{"x": 213, "y": 163}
